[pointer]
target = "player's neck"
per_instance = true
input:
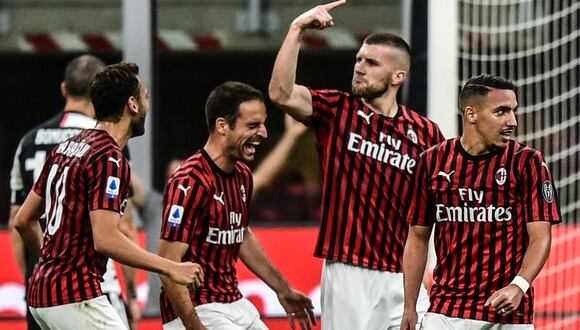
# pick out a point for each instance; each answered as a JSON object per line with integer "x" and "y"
{"x": 385, "y": 105}
{"x": 473, "y": 145}
{"x": 119, "y": 131}
{"x": 218, "y": 153}
{"x": 81, "y": 105}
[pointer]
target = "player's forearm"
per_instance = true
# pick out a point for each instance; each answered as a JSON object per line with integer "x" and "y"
{"x": 16, "y": 240}
{"x": 284, "y": 73}
{"x": 536, "y": 255}
{"x": 130, "y": 276}
{"x": 414, "y": 261}
{"x": 120, "y": 248}
{"x": 181, "y": 302}
{"x": 254, "y": 257}
{"x": 31, "y": 234}
{"x": 140, "y": 191}
{"x": 18, "y": 249}
{"x": 26, "y": 222}
{"x": 271, "y": 166}
{"x": 128, "y": 228}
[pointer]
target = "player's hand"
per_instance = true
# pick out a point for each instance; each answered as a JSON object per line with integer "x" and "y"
{"x": 299, "y": 308}
{"x": 294, "y": 127}
{"x": 134, "y": 313}
{"x": 186, "y": 273}
{"x": 317, "y": 17}
{"x": 409, "y": 321}
{"x": 506, "y": 300}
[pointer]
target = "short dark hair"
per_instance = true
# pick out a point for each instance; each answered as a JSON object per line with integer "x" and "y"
{"x": 79, "y": 73}
{"x": 224, "y": 102}
{"x": 479, "y": 86}
{"x": 112, "y": 87}
{"x": 391, "y": 40}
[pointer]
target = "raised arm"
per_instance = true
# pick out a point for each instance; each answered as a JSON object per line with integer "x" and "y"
{"x": 295, "y": 99}
{"x": 277, "y": 159}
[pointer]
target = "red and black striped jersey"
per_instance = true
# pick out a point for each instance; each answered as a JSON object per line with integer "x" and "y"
{"x": 367, "y": 161}
{"x": 480, "y": 206}
{"x": 207, "y": 208}
{"x": 84, "y": 173}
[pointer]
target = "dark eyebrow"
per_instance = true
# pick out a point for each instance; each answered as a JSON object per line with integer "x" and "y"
{"x": 505, "y": 108}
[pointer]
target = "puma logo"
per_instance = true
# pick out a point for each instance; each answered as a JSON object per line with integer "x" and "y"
{"x": 366, "y": 117}
{"x": 219, "y": 198}
{"x": 545, "y": 165}
{"x": 115, "y": 161}
{"x": 184, "y": 189}
{"x": 445, "y": 175}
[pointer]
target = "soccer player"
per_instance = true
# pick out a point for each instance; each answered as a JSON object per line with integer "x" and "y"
{"x": 492, "y": 202}
{"x": 368, "y": 146}
{"x": 206, "y": 221}
{"x": 29, "y": 158}
{"x": 83, "y": 189}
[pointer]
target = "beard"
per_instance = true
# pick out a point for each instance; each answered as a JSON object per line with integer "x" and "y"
{"x": 371, "y": 92}
{"x": 138, "y": 126}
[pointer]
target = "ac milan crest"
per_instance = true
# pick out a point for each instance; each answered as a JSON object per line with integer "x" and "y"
{"x": 243, "y": 191}
{"x": 412, "y": 135}
{"x": 501, "y": 176}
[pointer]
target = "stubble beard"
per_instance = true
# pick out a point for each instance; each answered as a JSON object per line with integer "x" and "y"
{"x": 370, "y": 93}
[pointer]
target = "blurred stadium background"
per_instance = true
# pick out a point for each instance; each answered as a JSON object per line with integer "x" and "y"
{"x": 186, "y": 47}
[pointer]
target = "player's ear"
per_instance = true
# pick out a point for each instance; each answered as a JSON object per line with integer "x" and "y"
{"x": 221, "y": 125}
{"x": 63, "y": 89}
{"x": 470, "y": 114}
{"x": 133, "y": 105}
{"x": 399, "y": 77}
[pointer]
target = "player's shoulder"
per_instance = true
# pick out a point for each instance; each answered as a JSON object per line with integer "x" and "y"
{"x": 441, "y": 147}
{"x": 329, "y": 94}
{"x": 524, "y": 151}
{"x": 99, "y": 143}
{"x": 417, "y": 118}
{"x": 192, "y": 169}
{"x": 243, "y": 168}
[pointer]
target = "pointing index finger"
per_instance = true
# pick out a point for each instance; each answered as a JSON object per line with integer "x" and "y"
{"x": 333, "y": 5}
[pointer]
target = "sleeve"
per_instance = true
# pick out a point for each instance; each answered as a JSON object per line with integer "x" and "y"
{"x": 539, "y": 195}
{"x": 184, "y": 205}
{"x": 109, "y": 177}
{"x": 18, "y": 193}
{"x": 421, "y": 211}
{"x": 324, "y": 106}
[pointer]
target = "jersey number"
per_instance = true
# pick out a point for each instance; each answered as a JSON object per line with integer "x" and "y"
{"x": 35, "y": 164}
{"x": 53, "y": 205}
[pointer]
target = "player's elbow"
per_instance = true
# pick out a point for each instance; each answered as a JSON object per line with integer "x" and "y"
{"x": 19, "y": 223}
{"x": 103, "y": 244}
{"x": 100, "y": 247}
{"x": 277, "y": 94}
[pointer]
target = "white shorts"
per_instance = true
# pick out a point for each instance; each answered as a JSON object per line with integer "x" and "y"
{"x": 435, "y": 321}
{"x": 238, "y": 315}
{"x": 95, "y": 313}
{"x": 116, "y": 300}
{"x": 357, "y": 298}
